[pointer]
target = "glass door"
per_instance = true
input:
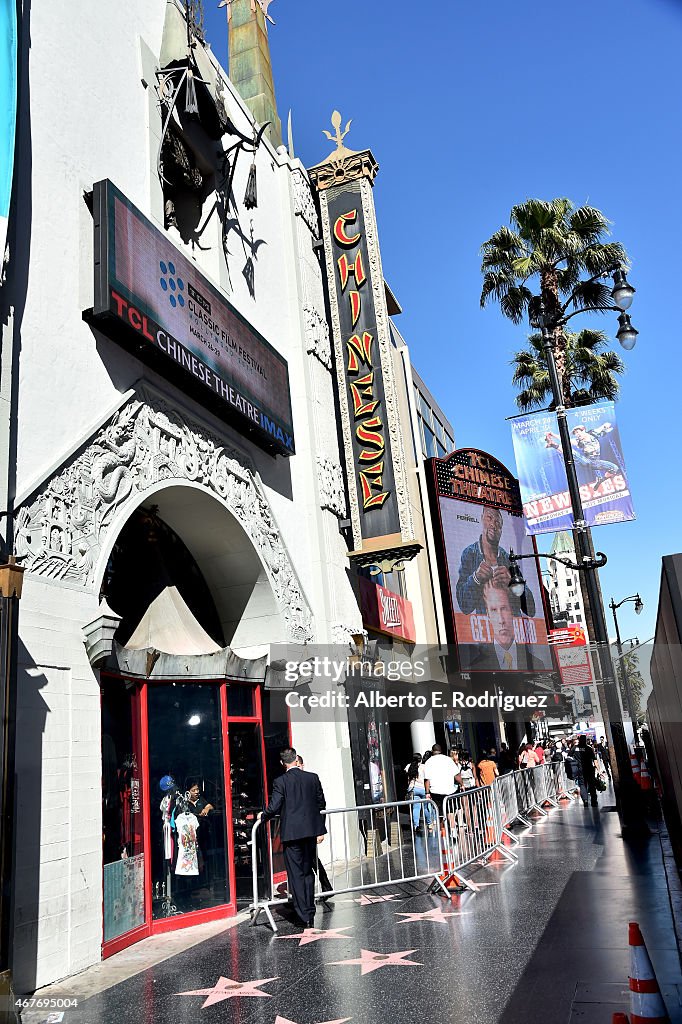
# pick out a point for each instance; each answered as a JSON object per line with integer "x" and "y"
{"x": 122, "y": 815}
{"x": 246, "y": 777}
{"x": 188, "y": 834}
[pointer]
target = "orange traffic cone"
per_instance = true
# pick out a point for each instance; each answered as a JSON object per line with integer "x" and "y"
{"x": 645, "y": 779}
{"x": 636, "y": 770}
{"x": 620, "y": 1018}
{"x": 646, "y": 1002}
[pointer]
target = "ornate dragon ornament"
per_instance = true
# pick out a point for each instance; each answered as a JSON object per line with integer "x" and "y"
{"x": 332, "y": 487}
{"x": 62, "y": 531}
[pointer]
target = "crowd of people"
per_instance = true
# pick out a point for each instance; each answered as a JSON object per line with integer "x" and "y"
{"x": 437, "y": 775}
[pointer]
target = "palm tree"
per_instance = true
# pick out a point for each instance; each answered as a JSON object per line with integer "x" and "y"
{"x": 565, "y": 249}
{"x": 589, "y": 372}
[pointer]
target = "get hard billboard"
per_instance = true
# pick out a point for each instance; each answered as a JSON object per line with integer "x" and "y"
{"x": 598, "y": 457}
{"x": 495, "y": 631}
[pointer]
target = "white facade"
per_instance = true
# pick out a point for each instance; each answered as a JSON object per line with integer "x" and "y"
{"x": 87, "y": 411}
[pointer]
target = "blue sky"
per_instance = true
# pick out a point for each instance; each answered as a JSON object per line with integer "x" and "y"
{"x": 470, "y": 108}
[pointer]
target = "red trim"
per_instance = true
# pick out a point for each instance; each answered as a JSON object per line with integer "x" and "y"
{"x": 123, "y": 941}
{"x": 173, "y": 924}
{"x": 146, "y": 805}
{"x": 228, "y": 792}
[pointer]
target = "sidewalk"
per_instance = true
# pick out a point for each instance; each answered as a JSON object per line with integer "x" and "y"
{"x": 545, "y": 939}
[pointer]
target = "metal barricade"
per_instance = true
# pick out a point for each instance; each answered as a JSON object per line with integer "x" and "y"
{"x": 543, "y": 782}
{"x": 525, "y": 793}
{"x": 367, "y": 847}
{"x": 509, "y": 804}
{"x": 564, "y": 788}
{"x": 473, "y": 826}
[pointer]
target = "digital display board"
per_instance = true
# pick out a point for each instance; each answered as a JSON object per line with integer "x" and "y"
{"x": 145, "y": 283}
{"x": 480, "y": 523}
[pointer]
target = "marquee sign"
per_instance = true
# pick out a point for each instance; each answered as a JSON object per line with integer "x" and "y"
{"x": 372, "y": 466}
{"x": 475, "y": 476}
{"x": 184, "y": 325}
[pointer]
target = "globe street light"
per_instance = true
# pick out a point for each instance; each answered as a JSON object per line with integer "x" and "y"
{"x": 622, "y": 292}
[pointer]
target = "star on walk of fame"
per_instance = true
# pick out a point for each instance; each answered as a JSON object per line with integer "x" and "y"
{"x": 370, "y": 961}
{"x": 437, "y": 915}
{"x": 226, "y": 988}
{"x": 309, "y": 935}
{"x": 341, "y": 1020}
{"x": 365, "y": 901}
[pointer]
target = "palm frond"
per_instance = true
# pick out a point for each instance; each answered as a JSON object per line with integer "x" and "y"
{"x": 589, "y": 224}
{"x": 514, "y": 303}
{"x": 591, "y": 295}
{"x": 496, "y": 284}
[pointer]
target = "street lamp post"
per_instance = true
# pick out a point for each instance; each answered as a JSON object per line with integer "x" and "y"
{"x": 639, "y": 605}
{"x": 551, "y": 324}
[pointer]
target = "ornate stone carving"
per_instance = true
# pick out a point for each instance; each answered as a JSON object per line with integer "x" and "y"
{"x": 332, "y": 489}
{"x": 317, "y": 340}
{"x": 343, "y": 634}
{"x": 341, "y": 169}
{"x": 304, "y": 204}
{"x": 342, "y": 164}
{"x": 62, "y": 531}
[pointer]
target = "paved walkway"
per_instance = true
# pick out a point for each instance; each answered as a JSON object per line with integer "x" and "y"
{"x": 545, "y": 939}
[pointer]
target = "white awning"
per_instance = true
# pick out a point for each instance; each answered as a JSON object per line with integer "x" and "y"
{"x": 170, "y": 627}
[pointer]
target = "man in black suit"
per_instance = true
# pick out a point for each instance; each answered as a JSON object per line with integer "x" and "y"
{"x": 298, "y": 798}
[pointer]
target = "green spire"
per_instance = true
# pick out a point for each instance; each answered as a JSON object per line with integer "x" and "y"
{"x": 250, "y": 67}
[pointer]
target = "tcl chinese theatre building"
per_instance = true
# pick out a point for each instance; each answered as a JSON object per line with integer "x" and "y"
{"x": 178, "y": 485}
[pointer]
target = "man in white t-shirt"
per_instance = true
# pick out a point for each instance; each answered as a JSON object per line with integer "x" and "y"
{"x": 441, "y": 776}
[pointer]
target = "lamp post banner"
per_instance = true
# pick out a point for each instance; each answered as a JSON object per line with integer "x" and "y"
{"x": 599, "y": 462}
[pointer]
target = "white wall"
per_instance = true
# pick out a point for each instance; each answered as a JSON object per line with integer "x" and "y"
{"x": 93, "y": 116}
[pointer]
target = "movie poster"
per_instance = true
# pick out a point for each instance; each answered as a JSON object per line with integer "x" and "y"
{"x": 495, "y": 630}
{"x": 599, "y": 462}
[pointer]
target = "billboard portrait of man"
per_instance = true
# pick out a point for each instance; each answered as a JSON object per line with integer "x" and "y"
{"x": 504, "y": 652}
{"x": 486, "y": 561}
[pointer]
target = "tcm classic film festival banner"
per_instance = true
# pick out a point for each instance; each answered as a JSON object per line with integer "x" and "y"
{"x": 480, "y": 523}
{"x": 599, "y": 462}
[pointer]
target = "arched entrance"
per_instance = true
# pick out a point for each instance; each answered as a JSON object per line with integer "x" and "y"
{"x": 186, "y": 755}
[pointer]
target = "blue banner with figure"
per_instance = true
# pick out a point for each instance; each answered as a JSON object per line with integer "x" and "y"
{"x": 8, "y": 110}
{"x": 599, "y": 462}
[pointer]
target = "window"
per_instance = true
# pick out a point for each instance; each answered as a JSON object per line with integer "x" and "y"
{"x": 425, "y": 409}
{"x": 429, "y": 441}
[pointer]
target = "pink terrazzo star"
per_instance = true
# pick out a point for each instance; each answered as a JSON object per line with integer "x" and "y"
{"x": 341, "y": 1020}
{"x": 369, "y": 961}
{"x": 226, "y": 988}
{"x": 309, "y": 935}
{"x": 365, "y": 901}
{"x": 437, "y": 915}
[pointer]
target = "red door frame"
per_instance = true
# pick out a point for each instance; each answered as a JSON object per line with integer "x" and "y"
{"x": 224, "y": 910}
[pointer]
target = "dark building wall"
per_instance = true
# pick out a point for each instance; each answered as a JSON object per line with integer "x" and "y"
{"x": 664, "y": 708}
